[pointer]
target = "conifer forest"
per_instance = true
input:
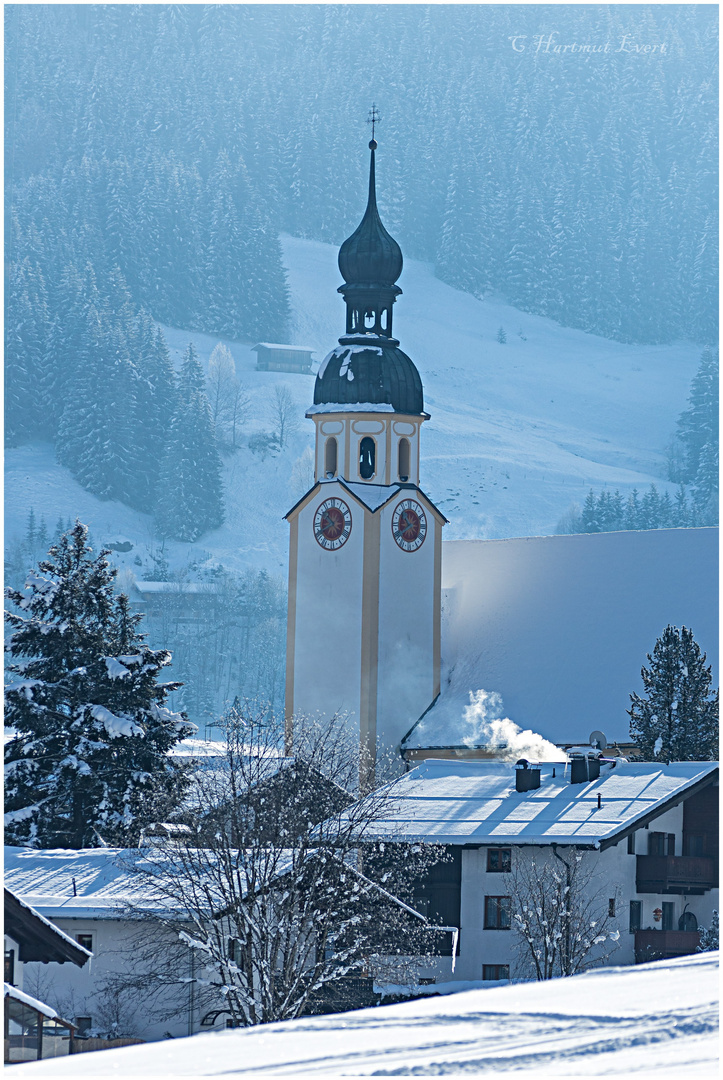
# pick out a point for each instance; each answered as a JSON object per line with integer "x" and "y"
{"x": 155, "y": 153}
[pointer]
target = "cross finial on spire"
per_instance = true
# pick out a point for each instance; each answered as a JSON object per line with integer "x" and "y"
{"x": 374, "y": 118}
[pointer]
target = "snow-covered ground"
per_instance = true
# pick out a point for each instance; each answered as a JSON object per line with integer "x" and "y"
{"x": 518, "y": 431}
{"x": 656, "y": 1020}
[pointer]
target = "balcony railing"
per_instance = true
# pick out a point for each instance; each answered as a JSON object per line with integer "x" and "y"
{"x": 675, "y": 874}
{"x": 663, "y": 944}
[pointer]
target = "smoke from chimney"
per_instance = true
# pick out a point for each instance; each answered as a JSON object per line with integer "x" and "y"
{"x": 488, "y": 727}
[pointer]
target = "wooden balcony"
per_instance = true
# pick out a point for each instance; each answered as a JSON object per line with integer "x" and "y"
{"x": 664, "y": 944}
{"x": 692, "y": 874}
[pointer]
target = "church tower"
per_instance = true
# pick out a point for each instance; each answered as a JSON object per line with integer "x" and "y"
{"x": 363, "y": 634}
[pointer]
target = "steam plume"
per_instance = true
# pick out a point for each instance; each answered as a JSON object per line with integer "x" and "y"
{"x": 487, "y": 726}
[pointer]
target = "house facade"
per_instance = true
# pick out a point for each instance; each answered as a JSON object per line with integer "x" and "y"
{"x": 84, "y": 893}
{"x": 648, "y": 834}
{"x": 33, "y": 1030}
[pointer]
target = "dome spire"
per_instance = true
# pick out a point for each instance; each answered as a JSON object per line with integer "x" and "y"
{"x": 370, "y": 261}
{"x": 368, "y": 367}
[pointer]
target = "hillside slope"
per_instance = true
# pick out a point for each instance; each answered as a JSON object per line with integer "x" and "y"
{"x": 657, "y": 1020}
{"x": 517, "y": 430}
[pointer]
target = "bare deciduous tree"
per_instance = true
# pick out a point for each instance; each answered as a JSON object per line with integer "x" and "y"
{"x": 302, "y": 474}
{"x": 283, "y": 413}
{"x": 263, "y": 902}
{"x": 227, "y": 398}
{"x": 563, "y": 920}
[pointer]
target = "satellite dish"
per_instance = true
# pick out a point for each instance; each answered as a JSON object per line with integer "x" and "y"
{"x": 598, "y": 740}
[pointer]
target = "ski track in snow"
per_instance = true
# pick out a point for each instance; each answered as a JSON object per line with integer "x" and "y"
{"x": 517, "y": 431}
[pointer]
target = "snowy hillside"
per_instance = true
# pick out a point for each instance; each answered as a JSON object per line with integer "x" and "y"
{"x": 654, "y": 1020}
{"x": 518, "y": 430}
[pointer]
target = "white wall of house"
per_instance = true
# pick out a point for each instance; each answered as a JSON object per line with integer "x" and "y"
{"x": 78, "y": 992}
{"x": 615, "y": 878}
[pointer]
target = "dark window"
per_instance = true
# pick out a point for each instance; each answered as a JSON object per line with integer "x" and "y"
{"x": 631, "y": 844}
{"x": 367, "y": 458}
{"x": 668, "y": 915}
{"x": 330, "y": 451}
{"x": 233, "y": 950}
{"x": 10, "y": 967}
{"x": 403, "y": 460}
{"x": 694, "y": 844}
{"x": 497, "y": 913}
{"x": 636, "y": 914}
{"x": 611, "y": 907}
{"x": 671, "y": 843}
{"x": 499, "y": 860}
{"x": 656, "y": 843}
{"x": 83, "y": 1024}
{"x": 85, "y": 941}
{"x": 495, "y": 972}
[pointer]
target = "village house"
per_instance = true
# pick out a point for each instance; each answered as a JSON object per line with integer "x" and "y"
{"x": 33, "y": 1029}
{"x": 651, "y": 831}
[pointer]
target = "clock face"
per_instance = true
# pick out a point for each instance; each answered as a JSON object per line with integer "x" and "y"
{"x": 332, "y": 524}
{"x": 409, "y": 525}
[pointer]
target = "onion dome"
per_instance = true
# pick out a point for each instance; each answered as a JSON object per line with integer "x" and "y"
{"x": 368, "y": 370}
{"x": 370, "y": 256}
{"x": 373, "y": 375}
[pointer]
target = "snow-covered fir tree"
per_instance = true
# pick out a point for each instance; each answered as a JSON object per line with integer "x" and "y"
{"x": 677, "y": 718}
{"x": 698, "y": 431}
{"x": 89, "y": 762}
{"x": 709, "y": 935}
{"x": 190, "y": 490}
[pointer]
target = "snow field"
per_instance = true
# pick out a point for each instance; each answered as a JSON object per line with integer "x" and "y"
{"x": 653, "y": 1020}
{"x": 517, "y": 431}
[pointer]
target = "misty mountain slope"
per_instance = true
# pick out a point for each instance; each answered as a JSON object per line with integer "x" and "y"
{"x": 517, "y": 430}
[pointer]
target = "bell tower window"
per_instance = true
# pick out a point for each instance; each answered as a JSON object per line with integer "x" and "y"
{"x": 330, "y": 453}
{"x": 403, "y": 457}
{"x": 367, "y": 458}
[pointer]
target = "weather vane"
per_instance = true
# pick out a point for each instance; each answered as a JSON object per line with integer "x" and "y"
{"x": 373, "y": 118}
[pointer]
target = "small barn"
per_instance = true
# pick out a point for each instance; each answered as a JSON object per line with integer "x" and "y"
{"x": 293, "y": 359}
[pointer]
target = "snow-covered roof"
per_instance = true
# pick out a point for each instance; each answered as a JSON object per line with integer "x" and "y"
{"x": 33, "y": 1003}
{"x": 559, "y": 627}
{"x": 209, "y": 588}
{"x": 88, "y": 883}
{"x": 196, "y": 749}
{"x": 469, "y": 802}
{"x": 372, "y": 495}
{"x": 357, "y": 406}
{"x": 39, "y": 938}
{"x": 284, "y": 348}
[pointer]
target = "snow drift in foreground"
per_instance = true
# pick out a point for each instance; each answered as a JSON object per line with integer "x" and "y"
{"x": 657, "y": 1019}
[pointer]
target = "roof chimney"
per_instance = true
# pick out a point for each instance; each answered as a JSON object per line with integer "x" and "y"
{"x": 526, "y": 779}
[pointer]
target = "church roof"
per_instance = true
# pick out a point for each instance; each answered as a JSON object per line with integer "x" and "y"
{"x": 368, "y": 367}
{"x": 560, "y": 627}
{"x": 370, "y": 256}
{"x": 377, "y": 373}
{"x": 373, "y": 496}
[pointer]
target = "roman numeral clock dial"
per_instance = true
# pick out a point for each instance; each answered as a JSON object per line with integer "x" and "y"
{"x": 332, "y": 524}
{"x": 409, "y": 525}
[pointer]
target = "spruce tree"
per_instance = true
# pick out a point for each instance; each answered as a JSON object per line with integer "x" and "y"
{"x": 190, "y": 489}
{"x": 89, "y": 761}
{"x": 677, "y": 718}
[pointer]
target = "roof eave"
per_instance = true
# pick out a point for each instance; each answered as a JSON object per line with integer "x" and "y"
{"x": 668, "y": 803}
